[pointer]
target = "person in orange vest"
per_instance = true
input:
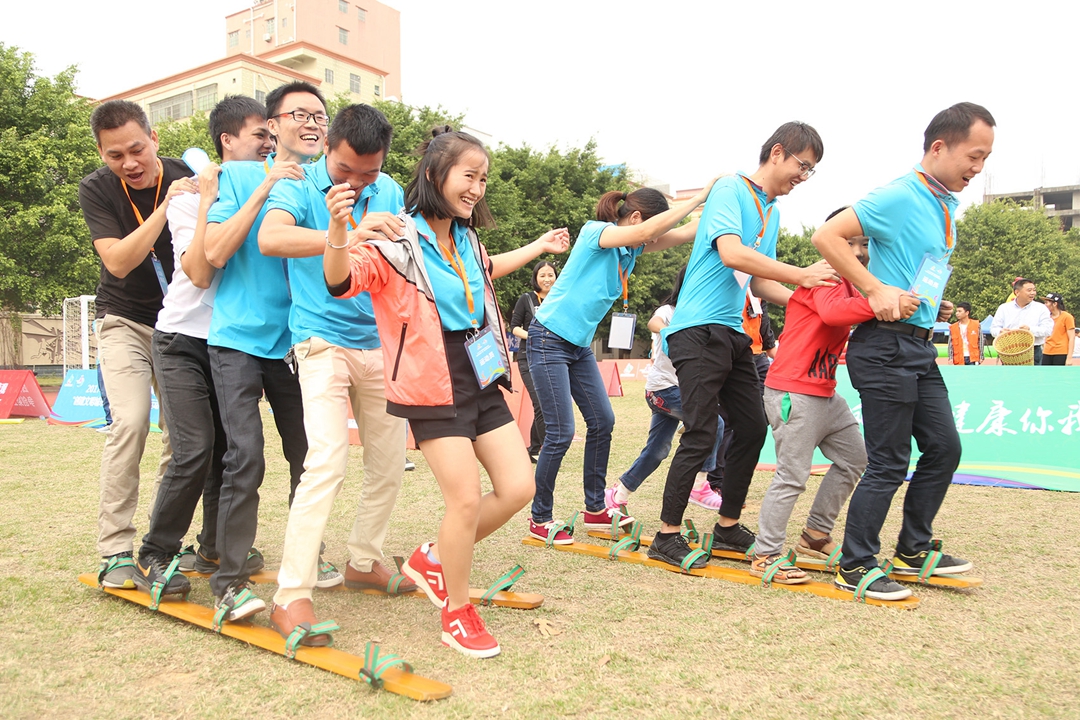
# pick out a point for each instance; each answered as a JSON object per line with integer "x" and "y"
{"x": 965, "y": 338}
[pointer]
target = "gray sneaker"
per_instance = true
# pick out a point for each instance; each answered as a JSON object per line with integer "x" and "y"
{"x": 328, "y": 575}
{"x": 117, "y": 571}
{"x": 187, "y": 558}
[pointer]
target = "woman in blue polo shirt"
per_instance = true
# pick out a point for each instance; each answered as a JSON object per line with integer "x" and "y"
{"x": 563, "y": 366}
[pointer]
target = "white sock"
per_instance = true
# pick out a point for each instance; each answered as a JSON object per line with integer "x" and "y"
{"x": 622, "y": 495}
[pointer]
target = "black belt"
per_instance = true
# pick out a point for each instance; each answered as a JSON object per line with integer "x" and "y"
{"x": 900, "y": 327}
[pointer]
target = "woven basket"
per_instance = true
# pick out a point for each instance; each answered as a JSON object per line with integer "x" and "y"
{"x": 1015, "y": 347}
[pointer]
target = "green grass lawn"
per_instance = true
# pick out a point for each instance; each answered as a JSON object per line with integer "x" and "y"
{"x": 634, "y": 641}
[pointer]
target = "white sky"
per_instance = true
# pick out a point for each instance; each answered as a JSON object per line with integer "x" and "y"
{"x": 678, "y": 91}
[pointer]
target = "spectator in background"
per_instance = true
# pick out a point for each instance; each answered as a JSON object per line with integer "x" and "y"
{"x": 1021, "y": 313}
{"x": 1062, "y": 341}
{"x": 965, "y": 338}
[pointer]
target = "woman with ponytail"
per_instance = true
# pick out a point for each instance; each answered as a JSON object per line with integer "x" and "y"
{"x": 563, "y": 366}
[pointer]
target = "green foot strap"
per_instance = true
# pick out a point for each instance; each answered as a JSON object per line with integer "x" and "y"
{"x": 394, "y": 583}
{"x": 375, "y": 665}
{"x": 750, "y": 551}
{"x": 932, "y": 559}
{"x": 254, "y": 553}
{"x": 571, "y": 524}
{"x": 110, "y": 564}
{"x": 616, "y": 520}
{"x": 305, "y": 630}
{"x": 631, "y": 541}
{"x": 776, "y": 566}
{"x": 691, "y": 558}
{"x": 554, "y": 529}
{"x": 887, "y": 568}
{"x": 158, "y": 587}
{"x": 399, "y": 561}
{"x": 690, "y": 532}
{"x": 503, "y": 583}
{"x": 868, "y": 579}
{"x": 186, "y": 550}
{"x": 833, "y": 561}
{"x": 229, "y": 602}
{"x": 706, "y": 543}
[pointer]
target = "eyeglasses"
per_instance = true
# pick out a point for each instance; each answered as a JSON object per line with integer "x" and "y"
{"x": 302, "y": 117}
{"x": 806, "y": 168}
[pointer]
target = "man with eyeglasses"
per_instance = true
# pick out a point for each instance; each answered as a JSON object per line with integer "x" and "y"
{"x": 249, "y": 337}
{"x": 892, "y": 360}
{"x": 734, "y": 249}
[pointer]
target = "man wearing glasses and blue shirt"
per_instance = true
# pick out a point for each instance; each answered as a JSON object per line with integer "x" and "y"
{"x": 249, "y": 336}
{"x": 892, "y": 361}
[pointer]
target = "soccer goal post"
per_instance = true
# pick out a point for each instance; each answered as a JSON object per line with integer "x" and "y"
{"x": 78, "y": 330}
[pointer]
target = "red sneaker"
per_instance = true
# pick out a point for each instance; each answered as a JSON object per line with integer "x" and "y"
{"x": 426, "y": 574}
{"x": 464, "y": 631}
{"x": 540, "y": 531}
{"x": 602, "y": 520}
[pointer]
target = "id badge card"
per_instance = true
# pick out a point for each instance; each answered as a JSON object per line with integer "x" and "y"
{"x": 160, "y": 272}
{"x": 621, "y": 335}
{"x": 485, "y": 357}
{"x": 930, "y": 280}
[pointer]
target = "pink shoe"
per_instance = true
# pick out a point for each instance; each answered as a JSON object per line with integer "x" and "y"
{"x": 540, "y": 531}
{"x": 426, "y": 574}
{"x": 704, "y": 496}
{"x": 611, "y": 503}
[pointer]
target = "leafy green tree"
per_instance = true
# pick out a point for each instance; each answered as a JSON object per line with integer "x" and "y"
{"x": 1001, "y": 240}
{"x": 176, "y": 136}
{"x": 46, "y": 148}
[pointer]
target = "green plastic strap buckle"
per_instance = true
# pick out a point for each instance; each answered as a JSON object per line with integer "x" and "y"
{"x": 867, "y": 581}
{"x": 833, "y": 561}
{"x": 503, "y": 583}
{"x": 155, "y": 595}
{"x": 691, "y": 558}
{"x": 691, "y": 532}
{"x": 706, "y": 543}
{"x": 220, "y": 615}
{"x": 376, "y": 664}
{"x": 933, "y": 558}
{"x": 305, "y": 630}
{"x": 750, "y": 551}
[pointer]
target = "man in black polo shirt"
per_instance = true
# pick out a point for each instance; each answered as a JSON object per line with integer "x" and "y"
{"x": 124, "y": 206}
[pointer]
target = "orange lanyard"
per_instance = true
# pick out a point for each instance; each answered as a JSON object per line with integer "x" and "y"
{"x": 763, "y": 215}
{"x": 157, "y": 193}
{"x": 944, "y": 209}
{"x": 352, "y": 223}
{"x": 624, "y": 278}
{"x": 459, "y": 267}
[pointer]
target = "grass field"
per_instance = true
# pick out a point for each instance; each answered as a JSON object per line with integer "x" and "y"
{"x": 634, "y": 641}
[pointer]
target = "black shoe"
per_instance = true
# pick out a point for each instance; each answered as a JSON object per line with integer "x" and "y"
{"x": 208, "y": 562}
{"x": 672, "y": 548}
{"x": 881, "y": 589}
{"x": 239, "y": 602}
{"x": 155, "y": 569}
{"x": 737, "y": 538}
{"x": 912, "y": 564}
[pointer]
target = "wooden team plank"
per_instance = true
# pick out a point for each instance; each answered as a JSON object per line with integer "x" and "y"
{"x": 396, "y": 680}
{"x": 503, "y": 598}
{"x": 827, "y": 590}
{"x": 808, "y": 563}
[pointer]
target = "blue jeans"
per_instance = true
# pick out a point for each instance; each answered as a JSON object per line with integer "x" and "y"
{"x": 666, "y": 406}
{"x": 563, "y": 372}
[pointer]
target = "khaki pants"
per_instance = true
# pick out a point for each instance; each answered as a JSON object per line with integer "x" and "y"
{"x": 330, "y": 378}
{"x": 128, "y": 370}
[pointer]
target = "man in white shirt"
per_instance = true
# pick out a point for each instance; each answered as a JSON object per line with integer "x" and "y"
{"x": 1021, "y": 313}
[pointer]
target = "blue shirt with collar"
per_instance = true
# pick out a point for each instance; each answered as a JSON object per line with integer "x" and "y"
{"x": 251, "y": 307}
{"x": 344, "y": 323}
{"x": 904, "y": 221}
{"x": 446, "y": 284}
{"x": 588, "y": 286}
{"x": 712, "y": 294}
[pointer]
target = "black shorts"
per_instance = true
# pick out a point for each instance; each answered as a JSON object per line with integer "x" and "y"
{"x": 478, "y": 411}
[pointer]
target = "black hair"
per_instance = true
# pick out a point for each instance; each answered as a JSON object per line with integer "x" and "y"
{"x": 439, "y": 154}
{"x": 536, "y": 271}
{"x": 1021, "y": 282}
{"x": 795, "y": 137}
{"x": 673, "y": 298}
{"x": 836, "y": 212}
{"x": 965, "y": 305}
{"x": 365, "y": 129}
{"x": 953, "y": 125}
{"x": 275, "y": 96}
{"x": 647, "y": 201}
{"x": 229, "y": 116}
{"x": 117, "y": 113}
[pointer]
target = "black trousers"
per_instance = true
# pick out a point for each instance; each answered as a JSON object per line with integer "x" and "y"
{"x": 903, "y": 397}
{"x": 536, "y": 434}
{"x": 715, "y": 367}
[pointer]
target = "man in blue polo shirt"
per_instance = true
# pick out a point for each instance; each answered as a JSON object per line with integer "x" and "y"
{"x": 735, "y": 246}
{"x": 338, "y": 353}
{"x": 891, "y": 360}
{"x": 249, "y": 335}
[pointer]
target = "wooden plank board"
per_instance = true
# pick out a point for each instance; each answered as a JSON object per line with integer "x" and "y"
{"x": 827, "y": 590}
{"x": 396, "y": 680}
{"x": 809, "y": 563}
{"x": 503, "y": 598}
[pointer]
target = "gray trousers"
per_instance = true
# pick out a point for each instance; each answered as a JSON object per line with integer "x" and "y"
{"x": 799, "y": 424}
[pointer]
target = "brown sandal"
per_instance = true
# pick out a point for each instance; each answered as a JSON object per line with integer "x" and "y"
{"x": 777, "y": 569}
{"x": 824, "y": 548}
